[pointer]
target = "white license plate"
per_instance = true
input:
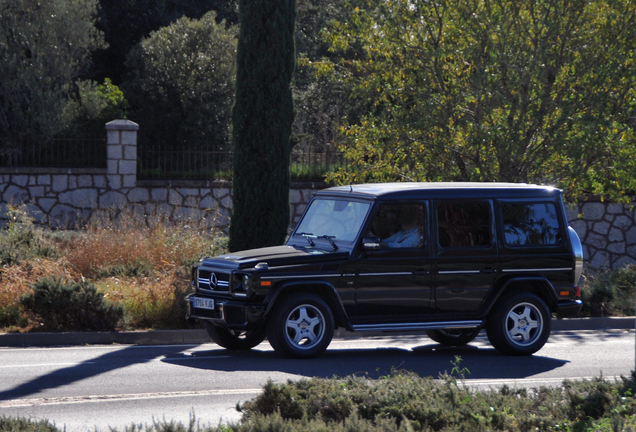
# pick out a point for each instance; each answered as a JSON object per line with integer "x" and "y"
{"x": 203, "y": 303}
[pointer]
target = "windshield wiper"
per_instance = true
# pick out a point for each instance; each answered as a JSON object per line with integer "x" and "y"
{"x": 330, "y": 238}
{"x": 309, "y": 237}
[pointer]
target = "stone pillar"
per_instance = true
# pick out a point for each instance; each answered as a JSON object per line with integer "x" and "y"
{"x": 122, "y": 153}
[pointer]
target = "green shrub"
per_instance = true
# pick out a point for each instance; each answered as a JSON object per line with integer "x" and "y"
{"x": 408, "y": 401}
{"x": 404, "y": 402}
{"x": 10, "y": 316}
{"x": 20, "y": 240}
{"x": 610, "y": 292}
{"x": 180, "y": 84}
{"x": 94, "y": 105}
{"x": 8, "y": 424}
{"x": 68, "y": 306}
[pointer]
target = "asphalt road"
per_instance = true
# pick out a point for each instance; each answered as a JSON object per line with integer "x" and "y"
{"x": 88, "y": 387}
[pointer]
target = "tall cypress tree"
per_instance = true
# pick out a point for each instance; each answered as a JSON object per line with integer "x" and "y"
{"x": 261, "y": 123}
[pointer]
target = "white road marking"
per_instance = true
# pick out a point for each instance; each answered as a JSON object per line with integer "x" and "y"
{"x": 45, "y": 365}
{"x": 14, "y": 403}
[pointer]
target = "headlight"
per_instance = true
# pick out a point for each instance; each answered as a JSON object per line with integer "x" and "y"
{"x": 241, "y": 285}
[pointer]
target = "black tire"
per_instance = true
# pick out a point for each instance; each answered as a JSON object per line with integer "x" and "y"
{"x": 519, "y": 324}
{"x": 300, "y": 326}
{"x": 453, "y": 337}
{"x": 234, "y": 340}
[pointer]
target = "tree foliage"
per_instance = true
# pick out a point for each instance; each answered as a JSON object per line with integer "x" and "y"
{"x": 126, "y": 23}
{"x": 94, "y": 105}
{"x": 320, "y": 103}
{"x": 480, "y": 90}
{"x": 261, "y": 123}
{"x": 181, "y": 83}
{"x": 44, "y": 46}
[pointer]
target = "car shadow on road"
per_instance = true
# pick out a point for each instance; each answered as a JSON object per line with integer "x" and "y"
{"x": 112, "y": 360}
{"x": 426, "y": 360}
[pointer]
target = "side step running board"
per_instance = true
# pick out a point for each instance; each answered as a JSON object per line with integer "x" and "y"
{"x": 418, "y": 326}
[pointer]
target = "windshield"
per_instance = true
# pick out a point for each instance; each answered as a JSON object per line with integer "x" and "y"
{"x": 335, "y": 219}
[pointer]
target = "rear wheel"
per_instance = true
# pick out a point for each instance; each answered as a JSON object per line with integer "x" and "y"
{"x": 453, "y": 337}
{"x": 301, "y": 326}
{"x": 235, "y": 340}
{"x": 519, "y": 324}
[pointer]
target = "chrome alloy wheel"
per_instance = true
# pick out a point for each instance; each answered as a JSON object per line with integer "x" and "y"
{"x": 305, "y": 326}
{"x": 524, "y": 324}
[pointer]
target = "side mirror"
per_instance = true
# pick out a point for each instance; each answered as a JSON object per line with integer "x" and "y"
{"x": 371, "y": 243}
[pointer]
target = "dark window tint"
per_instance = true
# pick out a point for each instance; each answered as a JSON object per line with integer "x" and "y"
{"x": 399, "y": 226}
{"x": 464, "y": 224}
{"x": 530, "y": 224}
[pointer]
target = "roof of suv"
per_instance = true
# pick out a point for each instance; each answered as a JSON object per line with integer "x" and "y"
{"x": 408, "y": 190}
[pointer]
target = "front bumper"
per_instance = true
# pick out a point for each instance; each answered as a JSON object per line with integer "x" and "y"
{"x": 231, "y": 314}
{"x": 569, "y": 309}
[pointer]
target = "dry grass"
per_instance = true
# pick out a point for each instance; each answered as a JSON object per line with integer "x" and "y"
{"x": 124, "y": 243}
{"x": 16, "y": 281}
{"x": 154, "y": 302}
{"x": 141, "y": 263}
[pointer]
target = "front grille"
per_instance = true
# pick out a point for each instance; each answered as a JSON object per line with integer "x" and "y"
{"x": 214, "y": 281}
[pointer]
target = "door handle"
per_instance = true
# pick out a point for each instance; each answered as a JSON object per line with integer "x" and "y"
{"x": 487, "y": 270}
{"x": 421, "y": 273}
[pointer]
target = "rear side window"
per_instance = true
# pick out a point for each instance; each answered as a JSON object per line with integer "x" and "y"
{"x": 530, "y": 224}
{"x": 464, "y": 224}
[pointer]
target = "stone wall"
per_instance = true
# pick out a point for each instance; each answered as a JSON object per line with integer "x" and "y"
{"x": 607, "y": 231}
{"x": 60, "y": 197}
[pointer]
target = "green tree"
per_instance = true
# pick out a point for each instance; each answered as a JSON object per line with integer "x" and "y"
{"x": 126, "y": 23}
{"x": 44, "y": 46}
{"x": 93, "y": 106}
{"x": 261, "y": 123}
{"x": 479, "y": 90}
{"x": 320, "y": 103}
{"x": 181, "y": 84}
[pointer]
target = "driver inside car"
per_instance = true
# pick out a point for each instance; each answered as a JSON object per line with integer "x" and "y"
{"x": 410, "y": 236}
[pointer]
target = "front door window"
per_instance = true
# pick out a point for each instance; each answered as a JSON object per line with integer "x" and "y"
{"x": 399, "y": 226}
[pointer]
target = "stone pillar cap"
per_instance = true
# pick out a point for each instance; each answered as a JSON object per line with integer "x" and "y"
{"x": 122, "y": 125}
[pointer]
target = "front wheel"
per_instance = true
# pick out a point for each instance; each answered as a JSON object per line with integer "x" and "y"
{"x": 453, "y": 337}
{"x": 235, "y": 340}
{"x": 300, "y": 326}
{"x": 519, "y": 324}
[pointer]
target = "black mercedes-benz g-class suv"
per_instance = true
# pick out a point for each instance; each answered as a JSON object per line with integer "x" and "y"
{"x": 447, "y": 258}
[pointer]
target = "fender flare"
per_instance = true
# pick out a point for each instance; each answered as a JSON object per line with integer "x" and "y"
{"x": 545, "y": 290}
{"x": 322, "y": 288}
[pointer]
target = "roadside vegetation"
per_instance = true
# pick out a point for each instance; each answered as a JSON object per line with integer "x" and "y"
{"x": 609, "y": 292}
{"x": 404, "y": 401}
{"x": 132, "y": 272}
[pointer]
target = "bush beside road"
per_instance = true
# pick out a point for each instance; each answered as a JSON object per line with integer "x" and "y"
{"x": 404, "y": 401}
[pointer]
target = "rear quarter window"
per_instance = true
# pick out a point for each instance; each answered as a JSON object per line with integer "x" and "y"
{"x": 530, "y": 224}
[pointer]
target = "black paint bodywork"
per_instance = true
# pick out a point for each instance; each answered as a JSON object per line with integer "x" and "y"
{"x": 390, "y": 290}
